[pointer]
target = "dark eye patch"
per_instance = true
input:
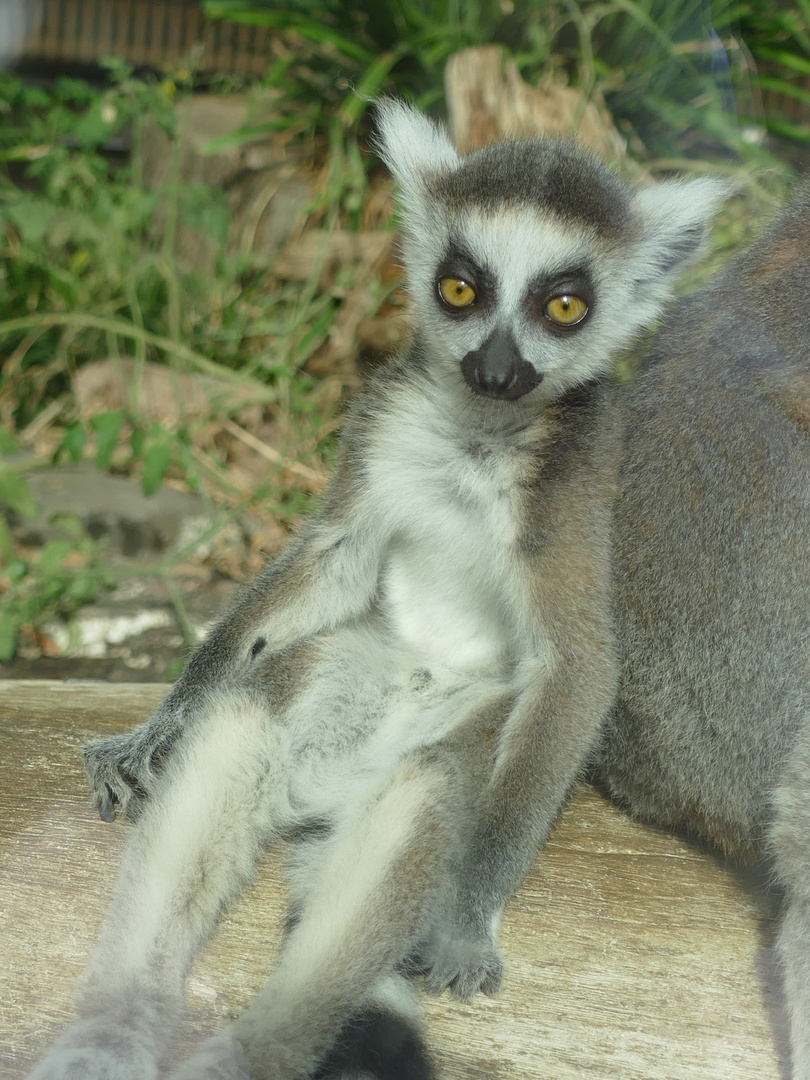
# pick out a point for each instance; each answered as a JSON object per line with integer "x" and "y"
{"x": 459, "y": 264}
{"x": 542, "y": 289}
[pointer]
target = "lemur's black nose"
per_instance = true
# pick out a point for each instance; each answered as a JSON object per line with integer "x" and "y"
{"x": 498, "y": 370}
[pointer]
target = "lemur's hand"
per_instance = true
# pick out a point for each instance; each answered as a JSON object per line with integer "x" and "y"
{"x": 122, "y": 771}
{"x": 458, "y": 956}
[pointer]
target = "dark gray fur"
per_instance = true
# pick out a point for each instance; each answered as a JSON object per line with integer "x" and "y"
{"x": 712, "y": 581}
{"x": 555, "y": 175}
{"x": 711, "y": 733}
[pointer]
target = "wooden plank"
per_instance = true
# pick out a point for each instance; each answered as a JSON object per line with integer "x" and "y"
{"x": 632, "y": 956}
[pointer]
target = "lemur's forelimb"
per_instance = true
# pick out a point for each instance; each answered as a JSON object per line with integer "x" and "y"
{"x": 543, "y": 749}
{"x": 322, "y": 578}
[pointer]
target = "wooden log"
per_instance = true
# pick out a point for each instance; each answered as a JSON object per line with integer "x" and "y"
{"x": 632, "y": 955}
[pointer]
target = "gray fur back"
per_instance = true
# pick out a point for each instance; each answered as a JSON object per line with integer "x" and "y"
{"x": 713, "y": 552}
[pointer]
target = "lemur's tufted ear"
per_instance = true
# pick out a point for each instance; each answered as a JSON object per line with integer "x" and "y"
{"x": 675, "y": 218}
{"x": 411, "y": 145}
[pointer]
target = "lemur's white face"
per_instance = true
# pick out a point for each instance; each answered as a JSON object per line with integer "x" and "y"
{"x": 519, "y": 301}
{"x": 530, "y": 265}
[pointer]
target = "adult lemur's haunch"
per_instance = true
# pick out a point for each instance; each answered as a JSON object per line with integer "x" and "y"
{"x": 410, "y": 691}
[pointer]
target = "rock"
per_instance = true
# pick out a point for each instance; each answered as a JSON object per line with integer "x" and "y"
{"x": 268, "y": 185}
{"x": 131, "y": 634}
{"x": 113, "y": 507}
{"x": 156, "y": 392}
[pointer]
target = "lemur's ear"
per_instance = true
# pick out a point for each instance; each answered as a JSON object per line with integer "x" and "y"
{"x": 675, "y": 219}
{"x": 411, "y": 145}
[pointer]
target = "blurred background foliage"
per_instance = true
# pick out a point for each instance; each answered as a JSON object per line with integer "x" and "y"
{"x": 85, "y": 275}
{"x": 679, "y": 73}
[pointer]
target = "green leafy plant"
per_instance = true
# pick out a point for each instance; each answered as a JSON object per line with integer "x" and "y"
{"x": 57, "y": 579}
{"x": 15, "y": 494}
{"x": 779, "y": 39}
{"x": 677, "y": 75}
{"x": 86, "y": 276}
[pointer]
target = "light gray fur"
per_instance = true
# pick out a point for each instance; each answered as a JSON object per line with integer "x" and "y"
{"x": 410, "y": 691}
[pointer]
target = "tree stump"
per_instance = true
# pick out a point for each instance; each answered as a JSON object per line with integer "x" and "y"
{"x": 488, "y": 101}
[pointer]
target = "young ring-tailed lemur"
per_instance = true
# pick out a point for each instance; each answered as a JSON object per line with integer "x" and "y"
{"x": 413, "y": 687}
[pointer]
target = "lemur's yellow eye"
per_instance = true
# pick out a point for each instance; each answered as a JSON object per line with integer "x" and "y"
{"x": 566, "y": 310}
{"x": 456, "y": 293}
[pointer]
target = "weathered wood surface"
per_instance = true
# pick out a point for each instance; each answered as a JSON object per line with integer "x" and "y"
{"x": 632, "y": 956}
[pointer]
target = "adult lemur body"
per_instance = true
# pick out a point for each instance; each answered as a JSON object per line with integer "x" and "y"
{"x": 410, "y": 691}
{"x": 712, "y": 582}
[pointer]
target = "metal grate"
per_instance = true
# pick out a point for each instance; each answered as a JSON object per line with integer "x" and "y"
{"x": 148, "y": 33}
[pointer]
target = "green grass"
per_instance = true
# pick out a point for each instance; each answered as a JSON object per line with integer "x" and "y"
{"x": 85, "y": 276}
{"x": 676, "y": 73}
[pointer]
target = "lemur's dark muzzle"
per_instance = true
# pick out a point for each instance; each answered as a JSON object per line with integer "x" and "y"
{"x": 498, "y": 370}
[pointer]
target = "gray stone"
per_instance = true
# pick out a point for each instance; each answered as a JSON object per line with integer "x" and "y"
{"x": 115, "y": 507}
{"x": 131, "y": 634}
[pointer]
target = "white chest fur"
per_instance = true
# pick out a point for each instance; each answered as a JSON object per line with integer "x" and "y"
{"x": 449, "y": 506}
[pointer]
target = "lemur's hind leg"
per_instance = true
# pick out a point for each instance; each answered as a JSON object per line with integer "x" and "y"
{"x": 383, "y": 867}
{"x": 789, "y": 841}
{"x": 383, "y": 1041}
{"x": 192, "y": 853}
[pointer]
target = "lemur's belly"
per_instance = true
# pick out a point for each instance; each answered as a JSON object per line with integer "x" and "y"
{"x": 445, "y": 611}
{"x": 439, "y": 640}
{"x": 370, "y": 699}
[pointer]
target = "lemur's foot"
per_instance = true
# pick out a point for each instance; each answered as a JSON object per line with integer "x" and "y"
{"x": 122, "y": 771}
{"x": 461, "y": 960}
{"x": 100, "y": 1049}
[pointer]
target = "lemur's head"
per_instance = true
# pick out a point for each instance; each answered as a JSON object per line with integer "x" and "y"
{"x": 529, "y": 263}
